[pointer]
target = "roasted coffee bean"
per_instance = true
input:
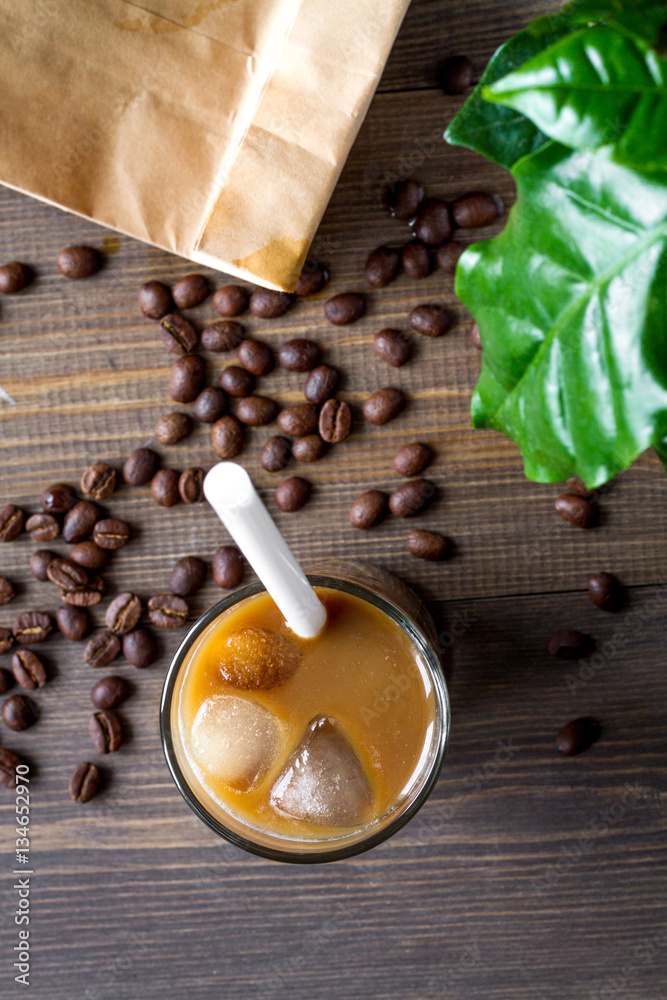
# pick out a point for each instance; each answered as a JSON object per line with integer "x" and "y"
{"x": 275, "y": 454}
{"x": 455, "y": 74}
{"x": 237, "y": 381}
{"x": 256, "y": 411}
{"x": 384, "y": 405}
{"x": 11, "y": 522}
{"x": 58, "y": 498}
{"x": 309, "y": 448}
{"x": 416, "y": 260}
{"x": 403, "y": 198}
{"x": 140, "y": 648}
{"x": 269, "y": 304}
{"x": 256, "y": 357}
{"x": 428, "y": 545}
{"x": 368, "y": 509}
{"x": 210, "y": 404}
{"x": 221, "y": 336}
{"x": 42, "y": 527}
{"x": 448, "y": 256}
{"x": 605, "y": 591}
{"x": 84, "y": 782}
{"x": 186, "y": 378}
{"x": 173, "y": 427}
{"x": 314, "y": 276}
{"x": 140, "y": 467}
{"x": 335, "y": 421}
{"x": 19, "y": 712}
{"x": 6, "y": 590}
{"x": 89, "y": 555}
{"x": 298, "y": 420}
{"x": 79, "y": 262}
{"x": 475, "y": 335}
{"x": 98, "y": 481}
{"x": 155, "y": 300}
{"x": 231, "y": 300}
{"x": 228, "y": 568}
{"x": 123, "y": 613}
{"x": 430, "y": 319}
{"x": 66, "y": 574}
{"x": 110, "y": 692}
{"x": 28, "y": 670}
{"x": 345, "y": 308}
{"x": 85, "y": 597}
{"x": 164, "y": 487}
{"x": 577, "y": 736}
{"x": 14, "y": 277}
{"x": 576, "y": 485}
{"x": 102, "y": 649}
{"x": 392, "y": 347}
{"x": 382, "y": 266}
{"x": 191, "y": 485}
{"x": 292, "y": 494}
{"x": 105, "y": 731}
{"x": 39, "y": 563}
{"x": 190, "y": 291}
{"x": 577, "y": 510}
{"x": 411, "y": 498}
{"x": 9, "y": 761}
{"x": 32, "y": 627}
{"x": 433, "y": 224}
{"x": 111, "y": 533}
{"x": 6, "y": 640}
{"x": 177, "y": 334}
{"x": 227, "y": 437}
{"x": 299, "y": 355}
{"x": 73, "y": 622}
{"x": 412, "y": 458}
{"x": 187, "y": 576}
{"x": 168, "y": 611}
{"x": 321, "y": 384}
{"x": 80, "y": 521}
{"x": 570, "y": 644}
{"x": 472, "y": 211}
{"x": 6, "y": 680}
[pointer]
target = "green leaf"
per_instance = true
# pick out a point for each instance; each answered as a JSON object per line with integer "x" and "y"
{"x": 571, "y": 300}
{"x": 645, "y": 18}
{"x": 598, "y": 88}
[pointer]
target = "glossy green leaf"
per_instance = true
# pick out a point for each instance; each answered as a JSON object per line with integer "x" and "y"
{"x": 645, "y": 18}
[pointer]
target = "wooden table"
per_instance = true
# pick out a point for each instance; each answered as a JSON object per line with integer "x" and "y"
{"x": 526, "y": 875}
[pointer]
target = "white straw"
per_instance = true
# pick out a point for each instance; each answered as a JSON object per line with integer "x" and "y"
{"x": 230, "y": 492}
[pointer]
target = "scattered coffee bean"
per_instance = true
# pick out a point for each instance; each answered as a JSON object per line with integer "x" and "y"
{"x": 345, "y": 308}
{"x": 42, "y": 527}
{"x": 335, "y": 421}
{"x": 448, "y": 256}
{"x": 191, "y": 485}
{"x": 102, "y": 649}
{"x": 80, "y": 521}
{"x": 177, "y": 334}
{"x": 111, "y": 533}
{"x": 577, "y": 736}
{"x": 6, "y": 590}
{"x": 11, "y": 522}
{"x": 89, "y": 555}
{"x": 472, "y": 211}
{"x": 168, "y": 611}
{"x": 6, "y": 640}
{"x": 84, "y": 782}
{"x": 382, "y": 266}
{"x": 14, "y": 277}
{"x": 576, "y": 485}
{"x": 433, "y": 224}
{"x": 19, "y": 712}
{"x": 105, "y": 731}
{"x": 79, "y": 262}
{"x": 73, "y": 622}
{"x": 411, "y": 498}
{"x": 275, "y": 454}
{"x": 221, "y": 336}
{"x": 164, "y": 487}
{"x": 186, "y": 378}
{"x": 39, "y": 563}
{"x": 368, "y": 509}
{"x": 9, "y": 761}
{"x": 210, "y": 404}
{"x": 190, "y": 291}
{"x": 475, "y": 335}
{"x": 155, "y": 300}
{"x": 570, "y": 644}
{"x": 32, "y": 627}
{"x": 140, "y": 467}
{"x": 314, "y": 276}
{"x": 28, "y": 670}
{"x": 412, "y": 458}
{"x": 231, "y": 300}
{"x": 416, "y": 260}
{"x": 140, "y": 648}
{"x": 87, "y": 596}
{"x": 227, "y": 437}
{"x": 237, "y": 381}
{"x": 428, "y": 545}
{"x": 298, "y": 420}
{"x": 292, "y": 494}
{"x": 392, "y": 347}
{"x": 256, "y": 356}
{"x": 384, "y": 405}
{"x": 6, "y": 680}
{"x": 187, "y": 576}
{"x": 256, "y": 411}
{"x": 66, "y": 573}
{"x": 98, "y": 481}
{"x": 269, "y": 304}
{"x": 309, "y": 448}
{"x": 228, "y": 568}
{"x": 605, "y": 591}
{"x": 110, "y": 692}
{"x": 173, "y": 427}
{"x": 403, "y": 198}
{"x": 430, "y": 319}
{"x": 577, "y": 510}
{"x": 123, "y": 613}
{"x": 321, "y": 384}
{"x": 455, "y": 75}
{"x": 58, "y": 498}
{"x": 299, "y": 355}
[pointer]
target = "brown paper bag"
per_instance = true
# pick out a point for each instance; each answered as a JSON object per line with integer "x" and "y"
{"x": 215, "y": 129}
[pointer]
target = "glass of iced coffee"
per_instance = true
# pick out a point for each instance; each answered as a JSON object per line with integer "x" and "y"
{"x": 308, "y": 750}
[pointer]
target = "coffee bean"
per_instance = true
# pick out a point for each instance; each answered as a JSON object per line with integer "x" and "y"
{"x": 140, "y": 648}
{"x": 416, "y": 260}
{"x": 110, "y": 692}
{"x": 309, "y": 448}
{"x": 237, "y": 381}
{"x": 448, "y": 256}
{"x": 411, "y": 498}
{"x": 123, "y": 613}
{"x": 6, "y": 640}
{"x": 39, "y": 563}
{"x": 111, "y": 533}
{"x": 42, "y": 527}
{"x": 577, "y": 736}
{"x": 191, "y": 485}
{"x": 6, "y": 591}
{"x": 345, "y": 308}
{"x": 155, "y": 300}
{"x": 14, "y": 277}
{"x": 314, "y": 276}
{"x": 187, "y": 576}
{"x": 105, "y": 731}
{"x": 227, "y": 437}
{"x": 80, "y": 521}
{"x": 382, "y": 266}
{"x": 6, "y": 680}
{"x": 11, "y": 522}
{"x": 58, "y": 498}
{"x": 190, "y": 291}
{"x": 32, "y": 627}
{"x": 66, "y": 574}
{"x": 73, "y": 622}
{"x": 570, "y": 644}
{"x": 79, "y": 262}
{"x": 28, "y": 670}
{"x": 85, "y": 597}
{"x": 228, "y": 568}
{"x": 577, "y": 510}
{"x": 605, "y": 591}
{"x": 210, "y": 404}
{"x": 168, "y": 611}
{"x": 403, "y": 198}
{"x": 9, "y": 761}
{"x": 102, "y": 649}
{"x": 475, "y": 335}
{"x": 428, "y": 545}
{"x": 298, "y": 420}
{"x": 335, "y": 421}
{"x": 472, "y": 211}
{"x": 392, "y": 347}
{"x": 140, "y": 467}
{"x": 186, "y": 378}
{"x": 384, "y": 405}
{"x": 173, "y": 427}
{"x": 430, "y": 319}
{"x": 256, "y": 357}
{"x": 292, "y": 494}
{"x": 98, "y": 481}
{"x": 455, "y": 74}
{"x": 269, "y": 304}
{"x": 256, "y": 411}
{"x": 231, "y": 300}
{"x": 177, "y": 334}
{"x": 89, "y": 555}
{"x": 299, "y": 355}
{"x": 433, "y": 224}
{"x": 84, "y": 782}
{"x": 275, "y": 454}
{"x": 221, "y": 336}
{"x": 412, "y": 458}
{"x": 19, "y": 712}
{"x": 368, "y": 509}
{"x": 321, "y": 384}
{"x": 576, "y": 485}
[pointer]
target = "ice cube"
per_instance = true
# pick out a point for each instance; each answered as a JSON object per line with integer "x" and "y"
{"x": 257, "y": 658}
{"x": 324, "y": 781}
{"x": 235, "y": 739}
